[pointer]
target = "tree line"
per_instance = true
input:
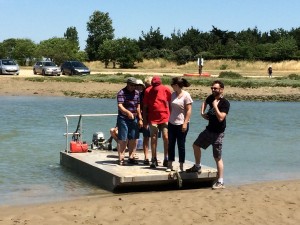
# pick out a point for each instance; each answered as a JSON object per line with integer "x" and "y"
{"x": 180, "y": 47}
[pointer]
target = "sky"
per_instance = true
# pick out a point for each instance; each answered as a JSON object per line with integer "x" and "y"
{"x": 41, "y": 20}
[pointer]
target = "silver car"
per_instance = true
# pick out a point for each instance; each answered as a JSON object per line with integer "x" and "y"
{"x": 9, "y": 66}
{"x": 46, "y": 68}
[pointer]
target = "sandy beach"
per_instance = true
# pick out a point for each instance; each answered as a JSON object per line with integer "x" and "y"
{"x": 265, "y": 203}
{"x": 273, "y": 203}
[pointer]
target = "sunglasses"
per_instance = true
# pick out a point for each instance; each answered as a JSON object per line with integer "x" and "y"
{"x": 214, "y": 88}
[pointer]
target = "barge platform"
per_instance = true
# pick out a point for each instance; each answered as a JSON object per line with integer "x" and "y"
{"x": 101, "y": 167}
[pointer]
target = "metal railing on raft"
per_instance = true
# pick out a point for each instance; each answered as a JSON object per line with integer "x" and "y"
{"x": 79, "y": 126}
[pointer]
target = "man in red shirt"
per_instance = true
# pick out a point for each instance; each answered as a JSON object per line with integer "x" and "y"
{"x": 156, "y": 114}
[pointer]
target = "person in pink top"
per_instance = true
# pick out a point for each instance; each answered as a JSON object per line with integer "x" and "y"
{"x": 181, "y": 110}
{"x": 156, "y": 113}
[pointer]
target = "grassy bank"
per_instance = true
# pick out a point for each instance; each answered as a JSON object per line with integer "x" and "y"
{"x": 201, "y": 83}
{"x": 245, "y": 68}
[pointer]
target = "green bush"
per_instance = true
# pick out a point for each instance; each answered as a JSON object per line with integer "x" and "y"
{"x": 223, "y": 67}
{"x": 294, "y": 76}
{"x": 230, "y": 74}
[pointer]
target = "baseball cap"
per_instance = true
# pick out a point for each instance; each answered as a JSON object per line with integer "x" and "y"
{"x": 140, "y": 82}
{"x": 130, "y": 80}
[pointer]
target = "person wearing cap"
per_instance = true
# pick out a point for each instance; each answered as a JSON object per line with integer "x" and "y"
{"x": 129, "y": 120}
{"x": 156, "y": 115}
{"x": 146, "y": 132}
{"x": 270, "y": 71}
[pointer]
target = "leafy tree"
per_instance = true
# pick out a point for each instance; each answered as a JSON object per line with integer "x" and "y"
{"x": 18, "y": 49}
{"x": 174, "y": 42}
{"x": 151, "y": 40}
{"x": 72, "y": 35}
{"x": 295, "y": 33}
{"x": 277, "y": 34}
{"x": 56, "y": 49}
{"x": 108, "y": 52}
{"x": 248, "y": 37}
{"x": 81, "y": 56}
{"x": 7, "y": 48}
{"x": 192, "y": 39}
{"x": 284, "y": 48}
{"x": 220, "y": 36}
{"x": 100, "y": 29}
{"x": 24, "y": 51}
{"x": 127, "y": 52}
{"x": 184, "y": 55}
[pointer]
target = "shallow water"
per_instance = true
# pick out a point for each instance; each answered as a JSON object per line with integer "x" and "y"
{"x": 261, "y": 144}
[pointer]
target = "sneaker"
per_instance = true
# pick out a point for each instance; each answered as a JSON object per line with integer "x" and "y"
{"x": 121, "y": 162}
{"x": 218, "y": 185}
{"x": 165, "y": 163}
{"x": 154, "y": 163}
{"x": 146, "y": 162}
{"x": 170, "y": 169}
{"x": 132, "y": 161}
{"x": 194, "y": 169}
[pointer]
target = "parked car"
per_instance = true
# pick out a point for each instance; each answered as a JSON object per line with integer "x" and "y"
{"x": 74, "y": 68}
{"x": 9, "y": 66}
{"x": 46, "y": 68}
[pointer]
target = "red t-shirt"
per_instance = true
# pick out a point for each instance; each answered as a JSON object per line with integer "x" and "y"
{"x": 157, "y": 100}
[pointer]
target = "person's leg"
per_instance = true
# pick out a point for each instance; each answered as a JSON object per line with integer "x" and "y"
{"x": 122, "y": 138}
{"x": 132, "y": 147}
{"x": 146, "y": 147}
{"x": 197, "y": 154}
{"x": 220, "y": 168}
{"x": 217, "y": 152}
{"x": 172, "y": 134}
{"x": 146, "y": 136}
{"x": 121, "y": 149}
{"x": 153, "y": 134}
{"x": 133, "y": 136}
{"x": 202, "y": 141}
{"x": 164, "y": 128}
{"x": 181, "y": 137}
{"x": 114, "y": 133}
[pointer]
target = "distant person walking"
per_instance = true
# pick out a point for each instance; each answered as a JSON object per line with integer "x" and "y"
{"x": 178, "y": 127}
{"x": 270, "y": 71}
{"x": 214, "y": 132}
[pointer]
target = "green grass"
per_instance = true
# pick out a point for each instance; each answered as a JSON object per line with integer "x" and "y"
{"x": 292, "y": 80}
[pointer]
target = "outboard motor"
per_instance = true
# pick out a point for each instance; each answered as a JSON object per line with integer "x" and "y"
{"x": 99, "y": 142}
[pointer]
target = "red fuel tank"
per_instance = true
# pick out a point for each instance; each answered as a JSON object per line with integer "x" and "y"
{"x": 78, "y": 147}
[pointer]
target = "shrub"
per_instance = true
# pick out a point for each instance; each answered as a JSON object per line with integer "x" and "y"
{"x": 223, "y": 67}
{"x": 294, "y": 76}
{"x": 230, "y": 74}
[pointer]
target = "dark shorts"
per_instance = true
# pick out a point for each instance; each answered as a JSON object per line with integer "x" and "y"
{"x": 207, "y": 138}
{"x": 127, "y": 129}
{"x": 145, "y": 131}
